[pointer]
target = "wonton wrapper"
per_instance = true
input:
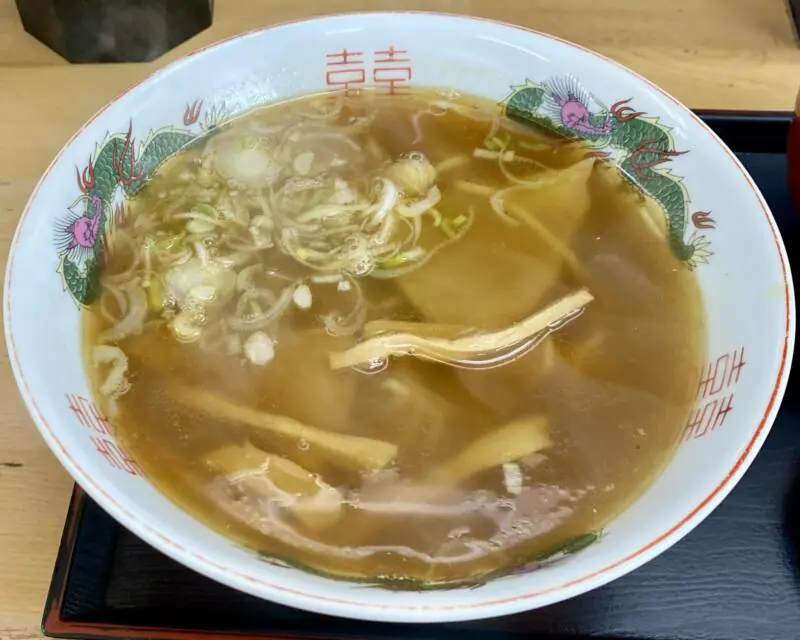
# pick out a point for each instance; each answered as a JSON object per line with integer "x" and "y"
{"x": 567, "y": 394}
{"x": 415, "y": 404}
{"x": 496, "y": 275}
{"x": 299, "y": 381}
{"x": 634, "y": 346}
{"x": 508, "y": 389}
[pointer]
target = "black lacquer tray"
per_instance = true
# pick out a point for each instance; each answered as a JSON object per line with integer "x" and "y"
{"x": 736, "y": 577}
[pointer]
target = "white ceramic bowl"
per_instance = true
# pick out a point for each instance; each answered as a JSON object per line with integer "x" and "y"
{"x": 718, "y": 224}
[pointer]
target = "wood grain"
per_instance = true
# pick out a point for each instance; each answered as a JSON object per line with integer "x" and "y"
{"x": 720, "y": 54}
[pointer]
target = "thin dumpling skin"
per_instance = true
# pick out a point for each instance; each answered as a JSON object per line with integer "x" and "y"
{"x": 298, "y": 382}
{"x": 301, "y": 384}
{"x": 497, "y": 274}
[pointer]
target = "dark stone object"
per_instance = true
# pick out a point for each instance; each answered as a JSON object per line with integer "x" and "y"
{"x": 114, "y": 30}
{"x": 794, "y": 12}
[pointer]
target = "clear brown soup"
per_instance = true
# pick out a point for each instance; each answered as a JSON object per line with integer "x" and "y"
{"x": 338, "y": 226}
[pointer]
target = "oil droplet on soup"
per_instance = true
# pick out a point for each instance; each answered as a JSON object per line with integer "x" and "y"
{"x": 395, "y": 337}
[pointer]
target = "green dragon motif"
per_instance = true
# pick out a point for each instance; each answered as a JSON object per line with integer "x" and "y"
{"x": 639, "y": 145}
{"x": 116, "y": 171}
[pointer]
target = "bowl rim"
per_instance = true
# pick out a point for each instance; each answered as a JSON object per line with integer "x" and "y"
{"x": 388, "y": 612}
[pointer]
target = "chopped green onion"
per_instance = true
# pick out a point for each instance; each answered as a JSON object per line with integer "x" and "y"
{"x": 494, "y": 144}
{"x": 394, "y": 261}
{"x": 403, "y": 258}
{"x": 537, "y": 146}
{"x": 248, "y": 142}
{"x": 447, "y": 228}
{"x": 165, "y": 242}
{"x": 206, "y": 210}
{"x": 437, "y": 217}
{"x": 498, "y": 143}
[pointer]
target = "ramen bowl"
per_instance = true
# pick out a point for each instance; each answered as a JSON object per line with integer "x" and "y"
{"x": 716, "y": 222}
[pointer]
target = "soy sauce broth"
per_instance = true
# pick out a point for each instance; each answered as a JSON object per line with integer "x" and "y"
{"x": 613, "y": 387}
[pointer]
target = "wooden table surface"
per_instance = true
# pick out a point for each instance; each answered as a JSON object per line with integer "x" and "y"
{"x": 726, "y": 54}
